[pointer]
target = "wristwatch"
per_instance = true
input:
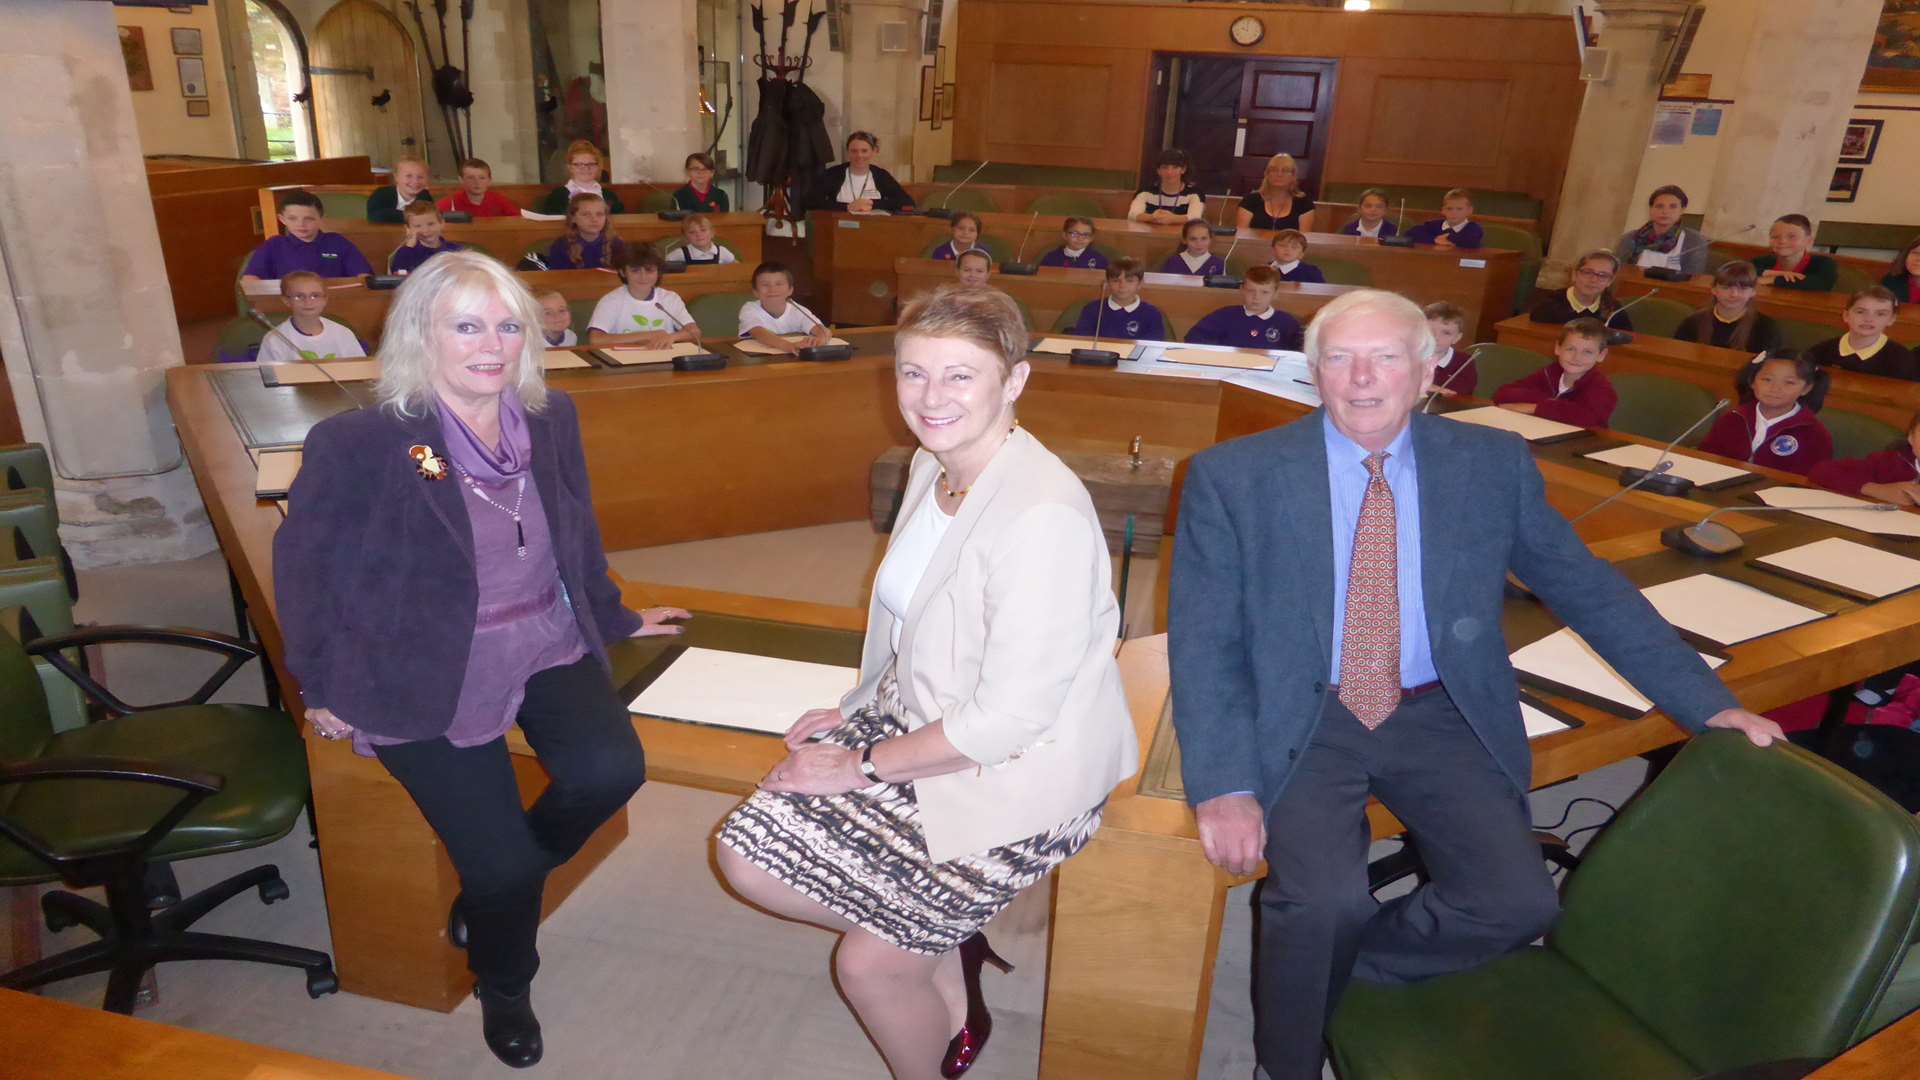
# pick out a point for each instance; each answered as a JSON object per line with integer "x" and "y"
{"x": 867, "y": 768}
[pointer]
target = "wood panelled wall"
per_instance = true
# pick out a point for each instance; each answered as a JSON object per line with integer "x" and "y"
{"x": 1423, "y": 98}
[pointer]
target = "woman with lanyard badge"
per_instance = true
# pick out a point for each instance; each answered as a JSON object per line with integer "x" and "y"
{"x": 1172, "y": 199}
{"x": 858, "y": 185}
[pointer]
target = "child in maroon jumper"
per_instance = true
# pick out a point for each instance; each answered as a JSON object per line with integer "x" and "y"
{"x": 1891, "y": 475}
{"x": 1776, "y": 423}
{"x": 1572, "y": 389}
{"x": 1453, "y": 370}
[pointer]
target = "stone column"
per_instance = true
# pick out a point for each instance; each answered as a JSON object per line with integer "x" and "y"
{"x": 505, "y": 134}
{"x": 88, "y": 328}
{"x": 1793, "y": 95}
{"x": 652, "y": 75}
{"x": 1611, "y": 134}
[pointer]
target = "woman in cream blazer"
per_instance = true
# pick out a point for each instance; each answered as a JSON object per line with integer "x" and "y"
{"x": 989, "y": 724}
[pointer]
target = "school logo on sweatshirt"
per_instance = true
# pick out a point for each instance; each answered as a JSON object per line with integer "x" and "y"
{"x": 1133, "y": 326}
{"x": 1273, "y": 333}
{"x": 1784, "y": 446}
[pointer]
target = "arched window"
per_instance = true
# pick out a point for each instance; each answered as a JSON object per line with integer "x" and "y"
{"x": 280, "y": 64}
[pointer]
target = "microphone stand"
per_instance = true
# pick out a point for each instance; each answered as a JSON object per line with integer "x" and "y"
{"x": 941, "y": 211}
{"x": 1710, "y": 539}
{"x": 1665, "y": 484}
{"x": 1019, "y": 268}
{"x": 1473, "y": 354}
{"x": 1095, "y": 356}
{"x": 1225, "y": 279}
{"x": 1622, "y": 337}
{"x": 1399, "y": 237}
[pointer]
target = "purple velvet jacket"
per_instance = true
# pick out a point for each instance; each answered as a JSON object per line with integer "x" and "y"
{"x": 373, "y": 570}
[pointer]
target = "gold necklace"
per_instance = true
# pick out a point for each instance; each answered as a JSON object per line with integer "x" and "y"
{"x": 950, "y": 492}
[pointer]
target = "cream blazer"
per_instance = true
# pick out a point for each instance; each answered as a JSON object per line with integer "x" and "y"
{"x": 1009, "y": 640}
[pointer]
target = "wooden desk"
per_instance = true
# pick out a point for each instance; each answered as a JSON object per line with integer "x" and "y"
{"x": 1822, "y": 308}
{"x": 854, "y": 260}
{"x": 1893, "y": 1054}
{"x": 364, "y": 310}
{"x": 1053, "y": 290}
{"x": 1892, "y": 401}
{"x": 46, "y": 1039}
{"x": 1137, "y": 914}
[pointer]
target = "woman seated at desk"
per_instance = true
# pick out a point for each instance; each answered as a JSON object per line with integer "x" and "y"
{"x": 441, "y": 579}
{"x": 1280, "y": 203}
{"x": 1663, "y": 242}
{"x": 989, "y": 724}
{"x": 857, "y": 185}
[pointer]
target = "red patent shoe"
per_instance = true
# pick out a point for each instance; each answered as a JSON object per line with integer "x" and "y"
{"x": 965, "y": 1048}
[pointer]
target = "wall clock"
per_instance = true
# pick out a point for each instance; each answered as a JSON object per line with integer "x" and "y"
{"x": 1247, "y": 30}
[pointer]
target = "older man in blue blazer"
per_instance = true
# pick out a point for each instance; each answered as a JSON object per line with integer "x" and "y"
{"x": 1335, "y": 634}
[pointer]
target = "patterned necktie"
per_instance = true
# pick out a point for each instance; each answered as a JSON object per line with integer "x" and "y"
{"x": 1370, "y": 640}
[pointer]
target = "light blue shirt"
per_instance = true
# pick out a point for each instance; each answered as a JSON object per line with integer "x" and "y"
{"x": 1347, "y": 479}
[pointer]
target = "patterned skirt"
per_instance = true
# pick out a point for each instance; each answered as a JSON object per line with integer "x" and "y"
{"x": 862, "y": 856}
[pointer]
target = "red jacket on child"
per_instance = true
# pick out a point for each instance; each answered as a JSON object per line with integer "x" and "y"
{"x": 1848, "y": 475}
{"x": 1589, "y": 404}
{"x": 1795, "y": 444}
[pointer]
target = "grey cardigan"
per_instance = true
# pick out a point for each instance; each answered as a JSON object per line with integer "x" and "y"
{"x": 1692, "y": 247}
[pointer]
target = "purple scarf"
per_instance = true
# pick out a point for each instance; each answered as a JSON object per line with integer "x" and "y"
{"x": 493, "y": 468}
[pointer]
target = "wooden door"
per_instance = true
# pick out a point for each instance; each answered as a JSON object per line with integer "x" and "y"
{"x": 1284, "y": 107}
{"x": 1208, "y": 94}
{"x": 362, "y": 54}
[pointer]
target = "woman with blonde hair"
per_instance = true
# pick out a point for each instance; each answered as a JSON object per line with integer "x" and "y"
{"x": 1280, "y": 202}
{"x": 989, "y": 724}
{"x": 440, "y": 579}
{"x": 585, "y": 166}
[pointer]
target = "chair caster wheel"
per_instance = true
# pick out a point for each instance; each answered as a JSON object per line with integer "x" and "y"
{"x": 322, "y": 983}
{"x": 273, "y": 890}
{"x": 57, "y": 920}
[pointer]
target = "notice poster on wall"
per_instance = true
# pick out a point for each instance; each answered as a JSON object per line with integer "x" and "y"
{"x": 1706, "y": 120}
{"x": 1670, "y": 123}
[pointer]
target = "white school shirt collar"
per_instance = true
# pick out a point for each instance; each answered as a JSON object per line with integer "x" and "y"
{"x": 1285, "y": 268}
{"x": 1360, "y": 227}
{"x": 1129, "y": 309}
{"x": 1262, "y": 316}
{"x": 1444, "y": 227}
{"x": 1187, "y": 257}
{"x": 1762, "y": 425}
{"x": 1073, "y": 253}
{"x": 575, "y": 187}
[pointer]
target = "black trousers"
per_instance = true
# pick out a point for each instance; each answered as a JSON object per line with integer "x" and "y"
{"x": 1488, "y": 890}
{"x": 585, "y": 740}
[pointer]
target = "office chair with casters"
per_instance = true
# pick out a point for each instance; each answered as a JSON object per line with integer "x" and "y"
{"x": 1751, "y": 906}
{"x": 99, "y": 805}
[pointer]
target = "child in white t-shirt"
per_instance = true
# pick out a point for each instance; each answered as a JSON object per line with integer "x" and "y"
{"x": 699, "y": 247}
{"x": 773, "y": 312}
{"x": 641, "y": 314}
{"x": 556, "y": 320}
{"x": 307, "y": 336}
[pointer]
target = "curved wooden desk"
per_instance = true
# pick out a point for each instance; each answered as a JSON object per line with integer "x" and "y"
{"x": 681, "y": 456}
{"x": 1823, "y": 308}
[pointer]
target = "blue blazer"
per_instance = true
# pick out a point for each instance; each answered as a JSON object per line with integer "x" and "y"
{"x": 374, "y": 576}
{"x": 1250, "y": 613}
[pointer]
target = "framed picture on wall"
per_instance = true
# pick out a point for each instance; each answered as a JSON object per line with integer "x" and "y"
{"x": 186, "y": 41}
{"x": 199, "y": 107}
{"x": 193, "y": 76}
{"x": 939, "y": 105}
{"x": 1893, "y": 64}
{"x": 1861, "y": 140}
{"x": 133, "y": 49}
{"x": 929, "y": 79}
{"x": 1845, "y": 186}
{"x": 946, "y": 101}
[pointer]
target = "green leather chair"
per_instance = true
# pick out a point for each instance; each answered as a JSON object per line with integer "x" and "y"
{"x": 718, "y": 313}
{"x": 1657, "y": 407}
{"x": 1750, "y": 906}
{"x": 26, "y": 466}
{"x": 100, "y": 805}
{"x": 239, "y": 342}
{"x": 1343, "y": 271}
{"x": 1067, "y": 204}
{"x": 1658, "y": 316}
{"x": 1499, "y": 365}
{"x": 1857, "y": 435}
{"x": 961, "y": 199}
{"x": 1852, "y": 279}
{"x": 649, "y": 201}
{"x": 581, "y": 312}
{"x": 343, "y": 205}
{"x": 1801, "y": 334}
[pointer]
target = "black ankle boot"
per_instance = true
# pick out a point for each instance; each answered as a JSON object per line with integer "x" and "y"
{"x": 512, "y": 1031}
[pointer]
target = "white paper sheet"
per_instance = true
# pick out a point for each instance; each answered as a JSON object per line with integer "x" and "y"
{"x": 1880, "y": 523}
{"x": 1061, "y": 346}
{"x": 1635, "y": 456}
{"x": 1188, "y": 281}
{"x": 535, "y": 215}
{"x": 277, "y": 468}
{"x": 1850, "y": 565}
{"x": 740, "y": 690}
{"x": 1564, "y": 658}
{"x": 748, "y": 345}
{"x": 631, "y": 357}
{"x": 559, "y": 359}
{"x": 1227, "y": 358}
{"x": 309, "y": 372}
{"x": 1723, "y": 611}
{"x": 1539, "y": 723}
{"x": 1526, "y": 425}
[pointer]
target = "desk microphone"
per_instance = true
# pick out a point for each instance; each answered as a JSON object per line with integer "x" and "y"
{"x": 1399, "y": 237}
{"x": 1617, "y": 336}
{"x": 671, "y": 213}
{"x": 1018, "y": 268}
{"x": 1224, "y": 279}
{"x": 1223, "y": 229}
{"x": 1095, "y": 356}
{"x": 823, "y": 352}
{"x": 1659, "y": 469}
{"x": 1713, "y": 540}
{"x": 941, "y": 211}
{"x": 1662, "y": 273}
{"x": 273, "y": 328}
{"x": 1473, "y": 353}
{"x": 1665, "y": 483}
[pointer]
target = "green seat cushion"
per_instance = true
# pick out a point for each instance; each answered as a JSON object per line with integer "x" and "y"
{"x": 1656, "y": 406}
{"x": 1343, "y": 271}
{"x": 1801, "y": 334}
{"x": 1035, "y": 175}
{"x": 1068, "y": 204}
{"x": 718, "y": 313}
{"x": 1527, "y": 1015}
{"x": 1857, "y": 434}
{"x": 959, "y": 198}
{"x": 256, "y": 750}
{"x": 343, "y": 205}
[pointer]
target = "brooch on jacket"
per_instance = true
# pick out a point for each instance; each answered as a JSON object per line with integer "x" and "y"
{"x": 429, "y": 466}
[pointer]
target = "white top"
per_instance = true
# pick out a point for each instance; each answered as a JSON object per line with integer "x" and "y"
{"x": 568, "y": 339}
{"x": 914, "y": 542}
{"x": 1071, "y": 253}
{"x": 1195, "y": 262}
{"x": 794, "y": 320}
{"x": 575, "y": 187}
{"x": 1762, "y": 425}
{"x": 1568, "y": 380}
{"x": 706, "y": 254}
{"x": 1286, "y": 267}
{"x": 1360, "y": 227}
{"x": 1195, "y": 206}
{"x": 333, "y": 342}
{"x": 857, "y": 187}
{"x": 619, "y": 312}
